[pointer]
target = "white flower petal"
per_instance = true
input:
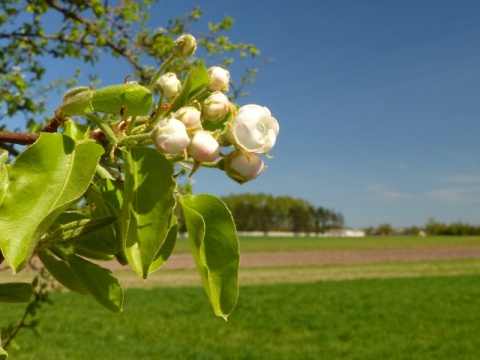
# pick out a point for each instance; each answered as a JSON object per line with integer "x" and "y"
{"x": 254, "y": 129}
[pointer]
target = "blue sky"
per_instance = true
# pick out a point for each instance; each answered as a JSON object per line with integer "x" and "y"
{"x": 378, "y": 104}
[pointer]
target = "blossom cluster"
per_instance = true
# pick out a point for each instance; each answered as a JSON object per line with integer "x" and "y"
{"x": 199, "y": 130}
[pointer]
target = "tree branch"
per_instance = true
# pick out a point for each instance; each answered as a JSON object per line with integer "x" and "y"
{"x": 18, "y": 138}
{"x": 89, "y": 26}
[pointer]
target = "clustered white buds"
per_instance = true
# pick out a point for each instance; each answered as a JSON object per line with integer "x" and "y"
{"x": 169, "y": 85}
{"x": 253, "y": 129}
{"x": 185, "y": 45}
{"x": 190, "y": 116}
{"x": 219, "y": 79}
{"x": 203, "y": 147}
{"x": 216, "y": 106}
{"x": 171, "y": 136}
{"x": 243, "y": 167}
{"x": 199, "y": 130}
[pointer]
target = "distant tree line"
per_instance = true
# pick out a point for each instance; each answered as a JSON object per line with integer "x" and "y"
{"x": 432, "y": 227}
{"x": 263, "y": 212}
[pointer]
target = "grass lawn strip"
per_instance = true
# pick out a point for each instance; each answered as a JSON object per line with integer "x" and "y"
{"x": 422, "y": 318}
{"x": 304, "y": 274}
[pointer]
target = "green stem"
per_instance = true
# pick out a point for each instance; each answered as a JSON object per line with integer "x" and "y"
{"x": 198, "y": 95}
{"x": 131, "y": 125}
{"x": 20, "y": 325}
{"x": 58, "y": 252}
{"x": 135, "y": 138}
{"x": 212, "y": 165}
{"x": 140, "y": 129}
{"x": 105, "y": 172}
{"x": 195, "y": 97}
{"x": 160, "y": 71}
{"x": 106, "y": 129}
{"x": 153, "y": 120}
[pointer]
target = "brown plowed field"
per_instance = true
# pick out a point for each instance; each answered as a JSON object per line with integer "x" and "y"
{"x": 185, "y": 261}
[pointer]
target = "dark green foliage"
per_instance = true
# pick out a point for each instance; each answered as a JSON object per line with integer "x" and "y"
{"x": 434, "y": 227}
{"x": 263, "y": 212}
{"x": 32, "y": 33}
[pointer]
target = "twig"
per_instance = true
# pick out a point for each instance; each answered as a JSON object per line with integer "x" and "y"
{"x": 18, "y": 138}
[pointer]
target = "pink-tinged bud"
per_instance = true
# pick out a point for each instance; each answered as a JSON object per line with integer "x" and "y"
{"x": 203, "y": 147}
{"x": 190, "y": 116}
{"x": 243, "y": 167}
{"x": 219, "y": 79}
{"x": 170, "y": 136}
{"x": 185, "y": 45}
{"x": 254, "y": 128}
{"x": 169, "y": 85}
{"x": 216, "y": 106}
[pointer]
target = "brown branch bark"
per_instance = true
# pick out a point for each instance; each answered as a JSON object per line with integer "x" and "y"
{"x": 18, "y": 138}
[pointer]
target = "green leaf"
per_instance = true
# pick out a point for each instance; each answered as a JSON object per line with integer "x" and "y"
{"x": 134, "y": 98}
{"x": 112, "y": 195}
{"x": 222, "y": 124}
{"x": 62, "y": 273}
{"x": 76, "y": 131}
{"x": 45, "y": 179}
{"x": 166, "y": 249}
{"x": 100, "y": 282}
{"x": 197, "y": 80}
{"x": 77, "y": 101}
{"x": 214, "y": 242}
{"x": 3, "y": 174}
{"x": 69, "y": 216}
{"x": 106, "y": 241}
{"x": 3, "y": 353}
{"x": 91, "y": 246}
{"x": 148, "y": 203}
{"x": 78, "y": 230}
{"x": 15, "y": 292}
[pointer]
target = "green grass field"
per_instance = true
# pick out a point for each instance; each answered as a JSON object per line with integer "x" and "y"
{"x": 279, "y": 244}
{"x": 405, "y": 310}
{"x": 416, "y": 318}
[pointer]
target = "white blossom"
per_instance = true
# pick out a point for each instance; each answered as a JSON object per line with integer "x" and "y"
{"x": 219, "y": 79}
{"x": 243, "y": 167}
{"x": 190, "y": 116}
{"x": 168, "y": 84}
{"x": 216, "y": 106}
{"x": 203, "y": 147}
{"x": 170, "y": 136}
{"x": 185, "y": 45}
{"x": 255, "y": 129}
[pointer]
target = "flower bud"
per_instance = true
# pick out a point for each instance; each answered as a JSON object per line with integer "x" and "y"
{"x": 219, "y": 79}
{"x": 168, "y": 85}
{"x": 170, "y": 136}
{"x": 216, "y": 106}
{"x": 203, "y": 147}
{"x": 185, "y": 45}
{"x": 243, "y": 167}
{"x": 77, "y": 101}
{"x": 190, "y": 116}
{"x": 254, "y": 129}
